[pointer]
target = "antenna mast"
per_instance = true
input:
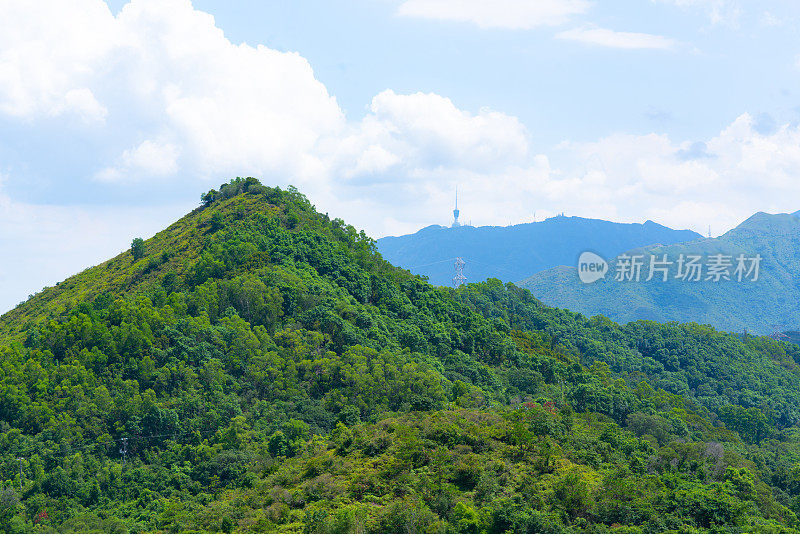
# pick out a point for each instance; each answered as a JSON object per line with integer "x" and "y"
{"x": 456, "y": 212}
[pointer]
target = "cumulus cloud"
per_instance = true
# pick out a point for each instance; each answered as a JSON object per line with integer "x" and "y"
{"x": 49, "y": 52}
{"x": 429, "y": 131}
{"x": 718, "y": 182}
{"x": 207, "y": 107}
{"x": 509, "y": 14}
{"x": 224, "y": 106}
{"x": 397, "y": 168}
{"x": 614, "y": 39}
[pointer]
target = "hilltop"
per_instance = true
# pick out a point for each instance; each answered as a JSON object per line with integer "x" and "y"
{"x": 262, "y": 368}
{"x": 772, "y": 301}
{"x": 513, "y": 253}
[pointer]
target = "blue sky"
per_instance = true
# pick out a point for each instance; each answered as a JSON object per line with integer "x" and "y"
{"x": 560, "y": 89}
{"x": 115, "y": 116}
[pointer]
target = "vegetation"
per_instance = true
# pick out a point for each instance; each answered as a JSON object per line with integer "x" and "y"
{"x": 262, "y": 368}
{"x": 137, "y": 248}
{"x": 755, "y": 306}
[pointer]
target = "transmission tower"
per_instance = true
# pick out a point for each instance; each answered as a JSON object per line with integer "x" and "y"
{"x": 777, "y": 332}
{"x": 459, "y": 277}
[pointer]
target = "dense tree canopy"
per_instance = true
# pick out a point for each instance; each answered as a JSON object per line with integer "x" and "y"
{"x": 263, "y": 369}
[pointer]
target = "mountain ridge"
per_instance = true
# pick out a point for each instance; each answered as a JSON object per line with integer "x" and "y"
{"x": 512, "y": 253}
{"x": 755, "y": 306}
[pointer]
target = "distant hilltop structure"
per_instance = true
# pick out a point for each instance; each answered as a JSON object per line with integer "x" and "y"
{"x": 456, "y": 224}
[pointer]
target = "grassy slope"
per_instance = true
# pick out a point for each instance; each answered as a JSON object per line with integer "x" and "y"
{"x": 172, "y": 250}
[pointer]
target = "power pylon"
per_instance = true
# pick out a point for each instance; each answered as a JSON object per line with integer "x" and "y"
{"x": 777, "y": 332}
{"x": 459, "y": 277}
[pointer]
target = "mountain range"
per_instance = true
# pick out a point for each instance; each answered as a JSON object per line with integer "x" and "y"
{"x": 769, "y": 304}
{"x": 514, "y": 253}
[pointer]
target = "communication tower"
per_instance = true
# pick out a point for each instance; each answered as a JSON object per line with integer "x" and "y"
{"x": 456, "y": 224}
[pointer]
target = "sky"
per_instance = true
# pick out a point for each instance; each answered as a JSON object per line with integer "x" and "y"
{"x": 115, "y": 116}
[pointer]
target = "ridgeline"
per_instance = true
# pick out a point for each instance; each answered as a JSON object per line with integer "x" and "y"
{"x": 761, "y": 304}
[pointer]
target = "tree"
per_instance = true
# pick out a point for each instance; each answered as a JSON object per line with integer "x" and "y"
{"x": 137, "y": 248}
{"x": 208, "y": 198}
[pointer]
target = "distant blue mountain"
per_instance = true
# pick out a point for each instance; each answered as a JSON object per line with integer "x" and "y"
{"x": 770, "y": 303}
{"x": 513, "y": 253}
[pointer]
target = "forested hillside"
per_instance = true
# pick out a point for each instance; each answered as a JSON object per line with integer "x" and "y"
{"x": 257, "y": 366}
{"x": 762, "y": 305}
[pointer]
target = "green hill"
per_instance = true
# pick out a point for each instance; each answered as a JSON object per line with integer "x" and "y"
{"x": 771, "y": 302}
{"x": 261, "y": 368}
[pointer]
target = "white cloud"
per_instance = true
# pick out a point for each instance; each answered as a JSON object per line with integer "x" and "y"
{"x": 48, "y": 55}
{"x": 615, "y": 39}
{"x": 509, "y": 14}
{"x": 224, "y": 106}
{"x": 726, "y": 12}
{"x": 429, "y": 131}
{"x": 211, "y": 108}
{"x": 651, "y": 176}
{"x": 83, "y": 102}
{"x": 151, "y": 159}
{"x": 405, "y": 157}
{"x": 372, "y": 160}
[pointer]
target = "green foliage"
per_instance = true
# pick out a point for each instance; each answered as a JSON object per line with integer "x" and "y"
{"x": 266, "y": 370}
{"x": 751, "y": 423}
{"x": 137, "y": 248}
